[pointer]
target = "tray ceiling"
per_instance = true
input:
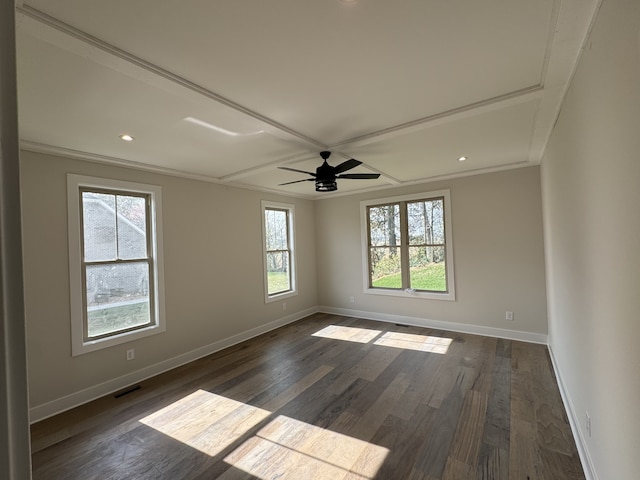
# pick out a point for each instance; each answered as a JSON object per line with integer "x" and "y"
{"x": 228, "y": 91}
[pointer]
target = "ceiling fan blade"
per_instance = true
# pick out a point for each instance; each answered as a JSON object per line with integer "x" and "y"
{"x": 361, "y": 176}
{"x": 348, "y": 165}
{"x": 296, "y": 170}
{"x": 298, "y": 181}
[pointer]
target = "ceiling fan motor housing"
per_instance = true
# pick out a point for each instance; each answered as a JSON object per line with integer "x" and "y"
{"x": 326, "y": 175}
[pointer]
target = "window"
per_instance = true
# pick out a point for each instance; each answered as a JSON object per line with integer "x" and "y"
{"x": 407, "y": 246}
{"x": 279, "y": 260}
{"x": 115, "y": 258}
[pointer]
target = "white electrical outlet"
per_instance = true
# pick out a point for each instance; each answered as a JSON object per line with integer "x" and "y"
{"x": 131, "y": 354}
{"x": 509, "y": 316}
{"x": 588, "y": 423}
{"x": 352, "y": 299}
{"x": 284, "y": 305}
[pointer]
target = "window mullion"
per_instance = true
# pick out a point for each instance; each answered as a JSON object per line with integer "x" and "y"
{"x": 117, "y": 236}
{"x": 404, "y": 246}
{"x": 118, "y": 261}
{"x": 370, "y": 250}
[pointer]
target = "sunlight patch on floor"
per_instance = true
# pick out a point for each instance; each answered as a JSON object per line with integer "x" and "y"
{"x": 409, "y": 341}
{"x": 206, "y": 421}
{"x": 350, "y": 334}
{"x": 290, "y": 449}
{"x": 285, "y": 448}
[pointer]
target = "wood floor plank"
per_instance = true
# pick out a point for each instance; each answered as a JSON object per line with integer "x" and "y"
{"x": 434, "y": 450}
{"x": 419, "y": 475}
{"x": 467, "y": 439}
{"x": 485, "y": 363}
{"x": 298, "y": 403}
{"x": 553, "y": 430}
{"x": 400, "y": 437}
{"x": 297, "y": 388}
{"x": 374, "y": 390}
{"x": 554, "y": 463}
{"x": 497, "y": 426}
{"x": 375, "y": 362}
{"x": 523, "y": 452}
{"x": 419, "y": 388}
{"x": 456, "y": 470}
{"x": 341, "y": 404}
{"x": 374, "y": 416}
{"x": 392, "y": 435}
{"x": 493, "y": 464}
{"x": 522, "y": 400}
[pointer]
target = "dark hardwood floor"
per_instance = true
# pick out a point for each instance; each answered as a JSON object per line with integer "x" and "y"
{"x": 327, "y": 397}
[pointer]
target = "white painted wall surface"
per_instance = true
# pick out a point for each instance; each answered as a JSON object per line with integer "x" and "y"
{"x": 498, "y": 254}
{"x": 213, "y": 277}
{"x": 591, "y": 198}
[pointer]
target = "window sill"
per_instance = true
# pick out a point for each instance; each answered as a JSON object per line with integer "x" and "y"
{"x": 447, "y": 296}
{"x": 280, "y": 296}
{"x": 81, "y": 347}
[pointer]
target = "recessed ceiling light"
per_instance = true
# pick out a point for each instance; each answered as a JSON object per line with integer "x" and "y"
{"x": 462, "y": 159}
{"x": 126, "y": 137}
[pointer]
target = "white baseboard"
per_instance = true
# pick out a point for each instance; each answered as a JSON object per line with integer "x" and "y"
{"x": 40, "y": 412}
{"x": 583, "y": 452}
{"x": 440, "y": 325}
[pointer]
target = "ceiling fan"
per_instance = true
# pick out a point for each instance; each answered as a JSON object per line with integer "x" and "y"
{"x": 326, "y": 175}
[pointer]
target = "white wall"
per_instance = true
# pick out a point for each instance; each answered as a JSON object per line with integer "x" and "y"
{"x": 591, "y": 198}
{"x": 213, "y": 277}
{"x": 498, "y": 249}
{"x": 213, "y": 270}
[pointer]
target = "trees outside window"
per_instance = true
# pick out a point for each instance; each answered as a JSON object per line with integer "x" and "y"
{"x": 408, "y": 245}
{"x": 277, "y": 221}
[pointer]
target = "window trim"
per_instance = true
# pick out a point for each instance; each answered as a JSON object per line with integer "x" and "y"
{"x": 450, "y": 295}
{"x": 76, "y": 184}
{"x": 290, "y": 208}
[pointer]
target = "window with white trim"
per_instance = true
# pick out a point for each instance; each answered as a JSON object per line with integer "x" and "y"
{"x": 407, "y": 246}
{"x": 115, "y": 262}
{"x": 278, "y": 247}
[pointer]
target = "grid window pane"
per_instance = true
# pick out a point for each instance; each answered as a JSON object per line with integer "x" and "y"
{"x": 427, "y": 269}
{"x": 117, "y": 297}
{"x": 114, "y": 227}
{"x": 278, "y": 275}
{"x": 99, "y": 220}
{"x": 132, "y": 224}
{"x": 384, "y": 225}
{"x": 426, "y": 222}
{"x": 276, "y": 229}
{"x": 385, "y": 267}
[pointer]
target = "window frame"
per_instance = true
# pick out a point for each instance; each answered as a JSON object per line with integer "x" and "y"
{"x": 81, "y": 343}
{"x": 290, "y": 209}
{"x": 403, "y": 246}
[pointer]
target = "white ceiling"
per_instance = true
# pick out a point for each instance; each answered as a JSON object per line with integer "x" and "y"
{"x": 406, "y": 86}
